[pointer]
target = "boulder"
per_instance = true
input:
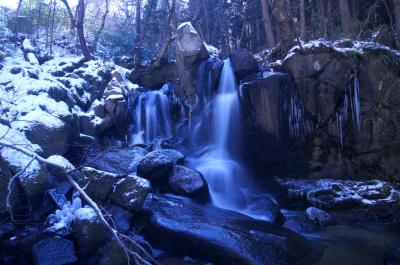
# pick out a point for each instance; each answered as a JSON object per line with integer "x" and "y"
{"x": 154, "y": 76}
{"x": 243, "y": 62}
{"x": 99, "y": 184}
{"x": 189, "y": 182}
{"x": 112, "y": 253}
{"x": 334, "y": 78}
{"x": 176, "y": 156}
{"x": 155, "y": 166}
{"x": 54, "y": 251}
{"x": 51, "y": 133}
{"x": 121, "y": 161}
{"x": 130, "y": 192}
{"x": 319, "y": 217}
{"x": 190, "y": 49}
{"x": 221, "y": 236}
{"x": 89, "y": 233}
{"x": 298, "y": 224}
{"x": 33, "y": 178}
{"x": 57, "y": 172}
{"x": 342, "y": 194}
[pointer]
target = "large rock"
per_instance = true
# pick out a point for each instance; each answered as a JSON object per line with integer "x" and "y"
{"x": 274, "y": 122}
{"x": 336, "y": 81}
{"x": 130, "y": 192}
{"x": 221, "y": 236}
{"x": 51, "y": 133}
{"x": 342, "y": 194}
{"x": 99, "y": 184}
{"x": 54, "y": 251}
{"x": 155, "y": 166}
{"x": 319, "y": 217}
{"x": 154, "y": 76}
{"x": 190, "y": 49}
{"x": 243, "y": 62}
{"x": 121, "y": 161}
{"x": 189, "y": 182}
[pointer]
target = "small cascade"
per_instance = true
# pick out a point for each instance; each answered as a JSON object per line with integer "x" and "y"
{"x": 152, "y": 117}
{"x": 215, "y": 159}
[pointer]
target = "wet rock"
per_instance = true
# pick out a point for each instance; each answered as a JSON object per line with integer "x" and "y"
{"x": 121, "y": 161}
{"x": 219, "y": 235}
{"x": 130, "y": 192}
{"x": 205, "y": 78}
{"x": 176, "y": 156}
{"x": 319, "y": 217}
{"x": 112, "y": 253}
{"x": 54, "y": 251}
{"x": 243, "y": 62}
{"x": 90, "y": 234}
{"x": 189, "y": 182}
{"x": 122, "y": 219}
{"x": 298, "y": 224}
{"x": 155, "y": 166}
{"x": 341, "y": 194}
{"x": 99, "y": 184}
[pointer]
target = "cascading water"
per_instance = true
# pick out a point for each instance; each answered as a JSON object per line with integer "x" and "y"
{"x": 152, "y": 117}
{"x": 216, "y": 160}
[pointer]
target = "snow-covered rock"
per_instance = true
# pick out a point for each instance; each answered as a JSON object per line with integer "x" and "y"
{"x": 319, "y": 217}
{"x": 130, "y": 192}
{"x": 99, "y": 184}
{"x": 52, "y": 134}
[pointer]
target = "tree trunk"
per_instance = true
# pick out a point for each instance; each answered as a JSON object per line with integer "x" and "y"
{"x": 48, "y": 24}
{"x": 269, "y": 32}
{"x": 16, "y": 21}
{"x": 39, "y": 19}
{"x": 136, "y": 51}
{"x": 396, "y": 9}
{"x": 303, "y": 28}
{"x": 52, "y": 26}
{"x": 103, "y": 23}
{"x": 322, "y": 13}
{"x": 345, "y": 16}
{"x": 79, "y": 29}
{"x": 168, "y": 39}
{"x": 283, "y": 24}
{"x": 71, "y": 16}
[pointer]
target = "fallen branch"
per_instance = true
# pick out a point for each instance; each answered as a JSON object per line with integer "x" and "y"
{"x": 148, "y": 260}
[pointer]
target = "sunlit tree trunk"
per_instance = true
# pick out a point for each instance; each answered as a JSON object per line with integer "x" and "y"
{"x": 80, "y": 16}
{"x": 269, "y": 33}
{"x": 345, "y": 16}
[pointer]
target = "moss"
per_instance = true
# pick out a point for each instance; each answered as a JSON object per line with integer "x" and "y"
{"x": 386, "y": 56}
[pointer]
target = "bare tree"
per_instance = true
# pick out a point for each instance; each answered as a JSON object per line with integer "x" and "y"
{"x": 168, "y": 39}
{"x": 79, "y": 29}
{"x": 396, "y": 10}
{"x": 323, "y": 17}
{"x": 284, "y": 24}
{"x": 103, "y": 23}
{"x": 136, "y": 47}
{"x": 52, "y": 26}
{"x": 71, "y": 16}
{"x": 16, "y": 21}
{"x": 345, "y": 17}
{"x": 269, "y": 33}
{"x": 303, "y": 27}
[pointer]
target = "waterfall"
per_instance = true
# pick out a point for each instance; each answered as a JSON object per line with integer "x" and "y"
{"x": 152, "y": 117}
{"x": 216, "y": 160}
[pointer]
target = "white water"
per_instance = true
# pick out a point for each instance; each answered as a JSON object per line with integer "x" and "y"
{"x": 226, "y": 177}
{"x": 152, "y": 117}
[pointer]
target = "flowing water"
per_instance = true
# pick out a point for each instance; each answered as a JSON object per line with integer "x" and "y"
{"x": 152, "y": 116}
